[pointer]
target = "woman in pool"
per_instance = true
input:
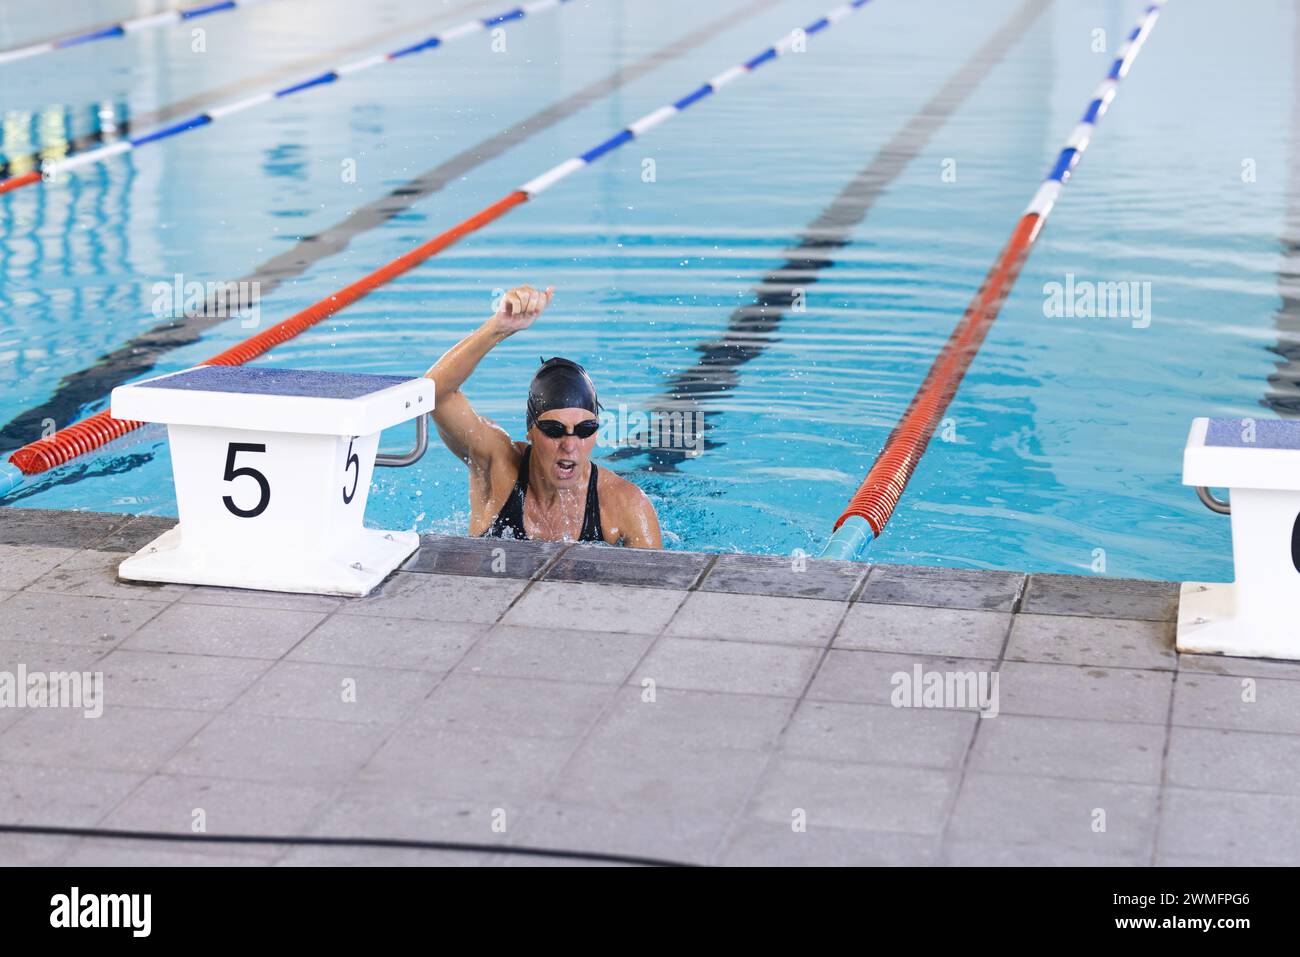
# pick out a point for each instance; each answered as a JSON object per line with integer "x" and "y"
{"x": 547, "y": 487}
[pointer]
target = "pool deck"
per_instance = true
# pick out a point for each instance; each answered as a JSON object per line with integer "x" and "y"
{"x": 692, "y": 707}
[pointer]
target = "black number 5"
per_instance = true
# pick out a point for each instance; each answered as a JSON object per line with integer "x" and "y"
{"x": 233, "y": 473}
{"x": 352, "y": 461}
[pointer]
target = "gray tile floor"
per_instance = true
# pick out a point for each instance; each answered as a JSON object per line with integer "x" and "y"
{"x": 713, "y": 709}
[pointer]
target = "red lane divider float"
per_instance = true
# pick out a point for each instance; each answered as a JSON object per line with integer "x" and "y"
{"x": 286, "y": 330}
{"x": 14, "y": 182}
{"x": 101, "y": 428}
{"x": 875, "y": 500}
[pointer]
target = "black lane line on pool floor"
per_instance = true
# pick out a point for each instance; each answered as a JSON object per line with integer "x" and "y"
{"x": 139, "y": 355}
{"x": 750, "y": 328}
{"x": 1283, "y": 395}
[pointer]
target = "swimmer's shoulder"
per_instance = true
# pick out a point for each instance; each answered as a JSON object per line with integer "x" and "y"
{"x": 618, "y": 491}
{"x": 625, "y": 510}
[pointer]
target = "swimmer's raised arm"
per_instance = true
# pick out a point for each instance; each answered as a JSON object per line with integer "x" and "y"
{"x": 470, "y": 436}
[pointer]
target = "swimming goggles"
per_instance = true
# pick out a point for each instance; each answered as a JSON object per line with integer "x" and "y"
{"x": 555, "y": 429}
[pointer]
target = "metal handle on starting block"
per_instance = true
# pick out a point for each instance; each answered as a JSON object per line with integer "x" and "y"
{"x": 1258, "y": 462}
{"x": 413, "y": 456}
{"x": 1212, "y": 503}
{"x": 272, "y": 471}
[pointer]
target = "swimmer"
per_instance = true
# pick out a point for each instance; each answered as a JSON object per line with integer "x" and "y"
{"x": 547, "y": 487}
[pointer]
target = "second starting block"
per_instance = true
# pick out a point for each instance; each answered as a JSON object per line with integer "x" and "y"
{"x": 1255, "y": 616}
{"x": 272, "y": 471}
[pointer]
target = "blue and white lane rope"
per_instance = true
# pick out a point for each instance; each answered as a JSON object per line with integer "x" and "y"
{"x": 874, "y": 503}
{"x": 648, "y": 122}
{"x": 121, "y": 29}
{"x": 1078, "y": 141}
{"x": 101, "y": 428}
{"x": 478, "y": 25}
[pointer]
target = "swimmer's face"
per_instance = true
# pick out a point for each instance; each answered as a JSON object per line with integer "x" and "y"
{"x": 564, "y": 460}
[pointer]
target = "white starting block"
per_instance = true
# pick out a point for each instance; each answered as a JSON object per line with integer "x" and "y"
{"x": 272, "y": 471}
{"x": 1258, "y": 615}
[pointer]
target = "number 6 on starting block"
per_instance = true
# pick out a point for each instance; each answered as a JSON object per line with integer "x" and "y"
{"x": 1255, "y": 616}
{"x": 272, "y": 470}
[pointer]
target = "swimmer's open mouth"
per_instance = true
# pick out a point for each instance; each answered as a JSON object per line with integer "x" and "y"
{"x": 565, "y": 468}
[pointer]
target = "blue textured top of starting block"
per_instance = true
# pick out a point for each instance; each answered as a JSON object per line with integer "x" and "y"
{"x": 258, "y": 380}
{"x": 1253, "y": 434}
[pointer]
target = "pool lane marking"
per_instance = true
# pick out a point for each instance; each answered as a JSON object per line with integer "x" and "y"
{"x": 199, "y": 120}
{"x": 874, "y": 502}
{"x": 640, "y": 127}
{"x": 201, "y": 101}
{"x": 294, "y": 325}
{"x": 750, "y": 327}
{"x": 91, "y": 433}
{"x": 120, "y": 29}
{"x": 138, "y": 356}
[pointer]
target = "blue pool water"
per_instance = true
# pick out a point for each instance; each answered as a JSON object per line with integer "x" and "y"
{"x": 1063, "y": 449}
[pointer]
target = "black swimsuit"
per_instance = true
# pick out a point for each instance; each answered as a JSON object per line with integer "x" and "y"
{"x": 509, "y": 522}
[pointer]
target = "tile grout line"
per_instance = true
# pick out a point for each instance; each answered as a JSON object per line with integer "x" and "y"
{"x": 1022, "y": 594}
{"x": 316, "y": 818}
{"x": 146, "y": 777}
{"x": 697, "y": 584}
{"x": 1164, "y": 758}
{"x": 227, "y": 709}
{"x": 729, "y": 833}
{"x": 693, "y": 588}
{"x": 547, "y": 792}
{"x": 397, "y": 725}
{"x": 856, "y": 762}
{"x": 964, "y": 768}
{"x": 533, "y": 579}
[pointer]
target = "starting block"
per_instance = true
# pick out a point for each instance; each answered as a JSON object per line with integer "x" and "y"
{"x": 1254, "y": 616}
{"x": 272, "y": 470}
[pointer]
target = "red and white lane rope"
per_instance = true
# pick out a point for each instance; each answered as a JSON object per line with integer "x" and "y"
{"x": 98, "y": 429}
{"x": 874, "y": 502}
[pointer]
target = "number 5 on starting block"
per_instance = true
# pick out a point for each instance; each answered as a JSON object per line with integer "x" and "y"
{"x": 273, "y": 469}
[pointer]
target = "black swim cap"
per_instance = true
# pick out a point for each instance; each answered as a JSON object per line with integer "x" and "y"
{"x": 560, "y": 384}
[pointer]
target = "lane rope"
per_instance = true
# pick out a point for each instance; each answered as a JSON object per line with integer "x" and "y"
{"x": 139, "y": 355}
{"x": 874, "y": 502}
{"x": 120, "y": 29}
{"x": 93, "y": 432}
{"x": 52, "y": 169}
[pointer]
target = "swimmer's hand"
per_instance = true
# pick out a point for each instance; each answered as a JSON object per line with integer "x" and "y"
{"x": 518, "y": 308}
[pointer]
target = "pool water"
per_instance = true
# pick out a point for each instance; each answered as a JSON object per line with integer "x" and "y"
{"x": 1061, "y": 451}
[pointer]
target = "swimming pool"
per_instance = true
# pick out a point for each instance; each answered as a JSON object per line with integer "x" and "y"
{"x": 1061, "y": 450}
